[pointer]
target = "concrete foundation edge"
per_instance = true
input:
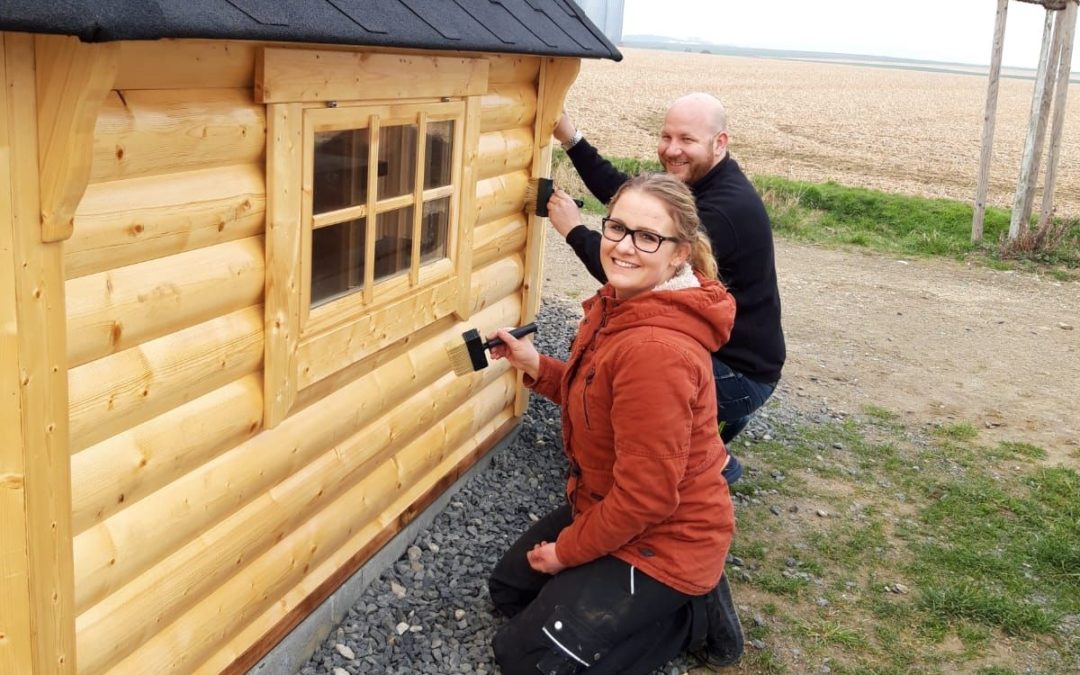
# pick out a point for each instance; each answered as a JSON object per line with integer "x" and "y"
{"x": 290, "y": 655}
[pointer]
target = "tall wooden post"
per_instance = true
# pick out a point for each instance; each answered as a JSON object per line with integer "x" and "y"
{"x": 989, "y": 118}
{"x": 1061, "y": 95}
{"x": 37, "y": 613}
{"x": 1040, "y": 105}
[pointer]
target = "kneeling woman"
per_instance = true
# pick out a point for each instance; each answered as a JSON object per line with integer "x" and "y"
{"x": 606, "y": 582}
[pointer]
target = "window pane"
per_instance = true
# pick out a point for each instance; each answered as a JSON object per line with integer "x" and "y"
{"x": 397, "y": 160}
{"x": 340, "y": 178}
{"x": 337, "y": 260}
{"x": 439, "y": 151}
{"x": 393, "y": 242}
{"x": 433, "y": 230}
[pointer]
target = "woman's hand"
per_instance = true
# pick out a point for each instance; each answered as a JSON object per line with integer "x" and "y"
{"x": 520, "y": 353}
{"x": 563, "y": 212}
{"x": 542, "y": 558}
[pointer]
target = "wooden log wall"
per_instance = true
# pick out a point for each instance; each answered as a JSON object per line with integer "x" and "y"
{"x": 199, "y": 537}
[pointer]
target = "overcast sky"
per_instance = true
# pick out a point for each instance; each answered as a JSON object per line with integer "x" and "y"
{"x": 939, "y": 30}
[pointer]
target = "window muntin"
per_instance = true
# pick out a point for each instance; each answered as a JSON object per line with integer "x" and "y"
{"x": 385, "y": 233}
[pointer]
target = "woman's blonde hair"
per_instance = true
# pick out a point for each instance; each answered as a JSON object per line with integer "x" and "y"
{"x": 681, "y": 207}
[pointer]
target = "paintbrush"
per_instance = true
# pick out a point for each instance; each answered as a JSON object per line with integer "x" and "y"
{"x": 467, "y": 355}
{"x": 537, "y": 194}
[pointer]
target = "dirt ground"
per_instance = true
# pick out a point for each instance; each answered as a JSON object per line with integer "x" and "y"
{"x": 935, "y": 341}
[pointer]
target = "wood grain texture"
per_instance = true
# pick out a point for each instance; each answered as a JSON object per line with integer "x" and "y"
{"x": 346, "y": 526}
{"x": 504, "y": 152}
{"x": 112, "y": 311}
{"x": 514, "y": 68}
{"x": 259, "y": 637}
{"x": 151, "y": 526}
{"x": 226, "y": 567}
{"x": 119, "y": 471}
{"x": 16, "y": 606}
{"x": 73, "y": 78}
{"x": 150, "y": 132}
{"x": 500, "y": 196}
{"x": 185, "y": 64}
{"x": 124, "y": 222}
{"x": 500, "y": 238}
{"x": 115, "y": 393}
{"x": 468, "y": 213}
{"x": 306, "y": 75}
{"x": 508, "y": 106}
{"x": 37, "y": 470}
{"x": 283, "y": 263}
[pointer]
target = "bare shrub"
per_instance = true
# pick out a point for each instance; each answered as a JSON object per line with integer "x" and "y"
{"x": 1037, "y": 241}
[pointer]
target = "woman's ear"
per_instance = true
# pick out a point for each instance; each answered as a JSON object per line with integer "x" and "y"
{"x": 682, "y": 254}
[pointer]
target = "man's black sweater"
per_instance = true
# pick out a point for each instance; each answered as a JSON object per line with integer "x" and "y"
{"x": 733, "y": 215}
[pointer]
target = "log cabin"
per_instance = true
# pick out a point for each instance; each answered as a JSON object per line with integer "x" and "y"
{"x": 235, "y": 237}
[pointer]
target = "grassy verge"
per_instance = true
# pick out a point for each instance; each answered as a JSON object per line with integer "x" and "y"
{"x": 898, "y": 224}
{"x": 869, "y": 548}
{"x": 836, "y": 215}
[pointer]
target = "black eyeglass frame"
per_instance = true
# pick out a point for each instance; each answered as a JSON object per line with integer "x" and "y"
{"x": 633, "y": 235}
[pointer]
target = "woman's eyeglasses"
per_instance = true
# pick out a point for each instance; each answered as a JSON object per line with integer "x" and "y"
{"x": 643, "y": 240}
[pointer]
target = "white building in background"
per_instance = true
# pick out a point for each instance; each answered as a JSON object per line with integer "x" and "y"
{"x": 607, "y": 15}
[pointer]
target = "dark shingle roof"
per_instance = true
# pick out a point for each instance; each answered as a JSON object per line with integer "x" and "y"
{"x": 547, "y": 27}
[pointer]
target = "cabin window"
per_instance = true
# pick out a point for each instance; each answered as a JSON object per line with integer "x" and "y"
{"x": 382, "y": 189}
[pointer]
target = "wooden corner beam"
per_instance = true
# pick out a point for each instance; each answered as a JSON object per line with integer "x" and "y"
{"x": 556, "y": 77}
{"x": 73, "y": 79}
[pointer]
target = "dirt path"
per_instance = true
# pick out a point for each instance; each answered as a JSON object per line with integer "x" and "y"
{"x": 935, "y": 341}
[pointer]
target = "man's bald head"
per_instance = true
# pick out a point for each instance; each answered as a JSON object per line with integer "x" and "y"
{"x": 707, "y": 106}
{"x": 694, "y": 137}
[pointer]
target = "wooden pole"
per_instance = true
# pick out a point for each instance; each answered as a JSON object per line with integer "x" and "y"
{"x": 37, "y": 617}
{"x": 1029, "y": 166}
{"x": 989, "y": 118}
{"x": 1061, "y": 95}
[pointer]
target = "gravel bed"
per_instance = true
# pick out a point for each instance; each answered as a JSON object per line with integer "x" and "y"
{"x": 430, "y": 612}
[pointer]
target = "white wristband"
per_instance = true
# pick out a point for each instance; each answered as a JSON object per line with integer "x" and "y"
{"x": 574, "y": 140}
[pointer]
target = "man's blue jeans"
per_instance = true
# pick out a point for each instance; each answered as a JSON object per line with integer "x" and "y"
{"x": 737, "y": 397}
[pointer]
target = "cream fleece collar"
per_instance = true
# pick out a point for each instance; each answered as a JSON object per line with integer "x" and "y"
{"x": 684, "y": 278}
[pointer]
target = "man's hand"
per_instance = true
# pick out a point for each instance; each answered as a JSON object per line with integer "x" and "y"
{"x": 563, "y": 212}
{"x": 542, "y": 558}
{"x": 564, "y": 129}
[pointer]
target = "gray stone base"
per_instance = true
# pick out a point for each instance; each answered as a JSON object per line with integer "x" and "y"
{"x": 290, "y": 655}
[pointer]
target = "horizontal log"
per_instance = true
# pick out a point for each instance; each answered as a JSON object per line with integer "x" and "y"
{"x": 332, "y": 537}
{"x": 115, "y": 393}
{"x": 504, "y": 152}
{"x": 112, "y": 311}
{"x": 512, "y": 68}
{"x": 247, "y": 647}
{"x": 149, "y": 132}
{"x": 121, "y": 470}
{"x": 118, "y": 549}
{"x": 499, "y": 239}
{"x": 185, "y": 64}
{"x": 368, "y": 469}
{"x": 123, "y": 222}
{"x": 500, "y": 196}
{"x": 508, "y": 106}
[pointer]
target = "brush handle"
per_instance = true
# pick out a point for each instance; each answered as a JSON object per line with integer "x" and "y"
{"x": 517, "y": 333}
